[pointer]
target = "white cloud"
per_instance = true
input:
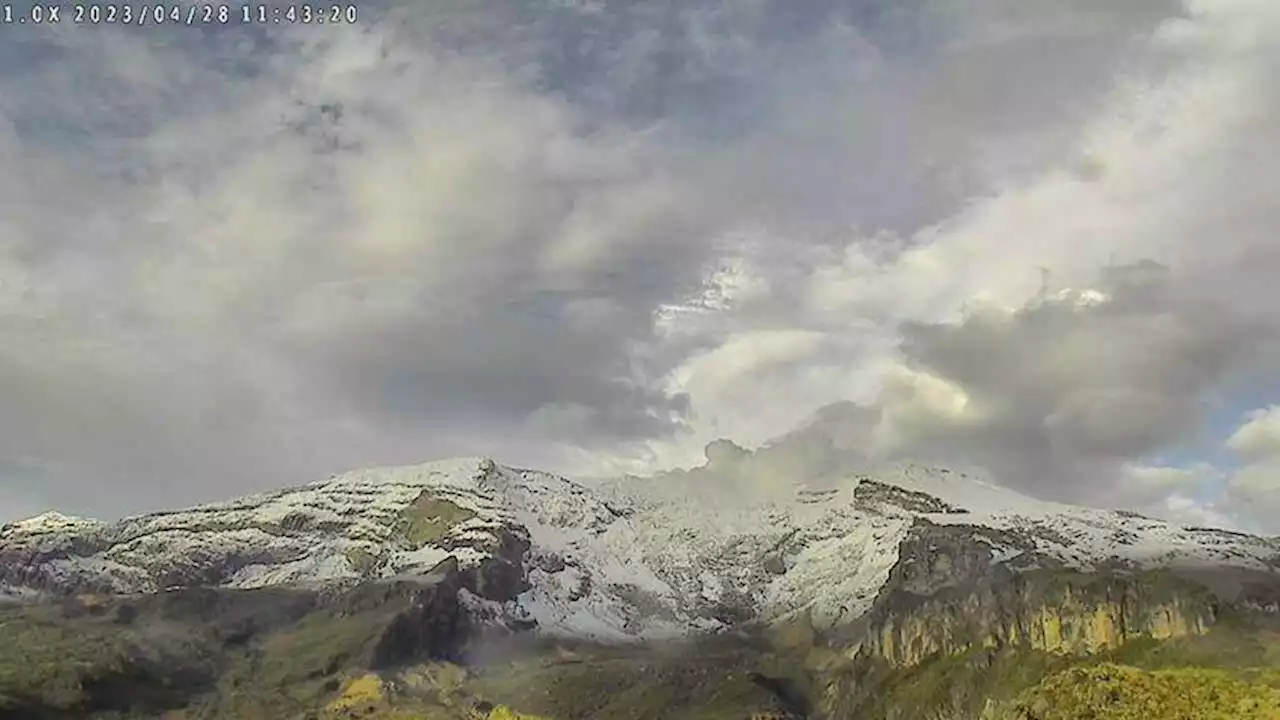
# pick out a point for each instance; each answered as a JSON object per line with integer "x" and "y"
{"x": 1174, "y": 488}
{"x": 1254, "y": 488}
{"x": 1259, "y": 436}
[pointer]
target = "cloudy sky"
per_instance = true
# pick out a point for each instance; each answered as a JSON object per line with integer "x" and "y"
{"x": 1032, "y": 236}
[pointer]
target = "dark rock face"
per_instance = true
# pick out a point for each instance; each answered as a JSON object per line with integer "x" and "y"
{"x": 934, "y": 557}
{"x": 427, "y": 621}
{"x": 794, "y": 702}
{"x": 549, "y": 562}
{"x": 503, "y": 575}
{"x": 870, "y": 491}
{"x": 25, "y": 562}
{"x": 497, "y": 579}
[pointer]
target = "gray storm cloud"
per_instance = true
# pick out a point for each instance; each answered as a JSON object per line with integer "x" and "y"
{"x": 597, "y": 236}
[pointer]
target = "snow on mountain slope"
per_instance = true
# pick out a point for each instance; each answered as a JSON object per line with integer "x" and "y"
{"x": 1081, "y": 537}
{"x": 613, "y": 560}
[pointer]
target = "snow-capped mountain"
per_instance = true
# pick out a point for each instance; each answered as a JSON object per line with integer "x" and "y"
{"x": 616, "y": 560}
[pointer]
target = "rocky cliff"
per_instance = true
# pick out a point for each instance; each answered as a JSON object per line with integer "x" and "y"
{"x": 946, "y": 595}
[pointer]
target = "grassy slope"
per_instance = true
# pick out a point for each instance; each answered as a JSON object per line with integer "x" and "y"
{"x": 1119, "y": 692}
{"x": 54, "y": 666}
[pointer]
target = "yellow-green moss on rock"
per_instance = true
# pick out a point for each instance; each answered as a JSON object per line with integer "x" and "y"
{"x": 1060, "y": 614}
{"x": 1118, "y": 692}
{"x": 428, "y": 519}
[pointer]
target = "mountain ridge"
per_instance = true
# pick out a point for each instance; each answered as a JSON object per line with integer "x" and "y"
{"x": 463, "y": 588}
{"x": 611, "y": 560}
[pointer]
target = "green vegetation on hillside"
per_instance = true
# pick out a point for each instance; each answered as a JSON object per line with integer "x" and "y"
{"x": 428, "y": 518}
{"x": 1117, "y": 692}
{"x": 61, "y": 664}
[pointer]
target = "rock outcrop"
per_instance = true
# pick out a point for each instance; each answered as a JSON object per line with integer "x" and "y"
{"x": 947, "y": 595}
